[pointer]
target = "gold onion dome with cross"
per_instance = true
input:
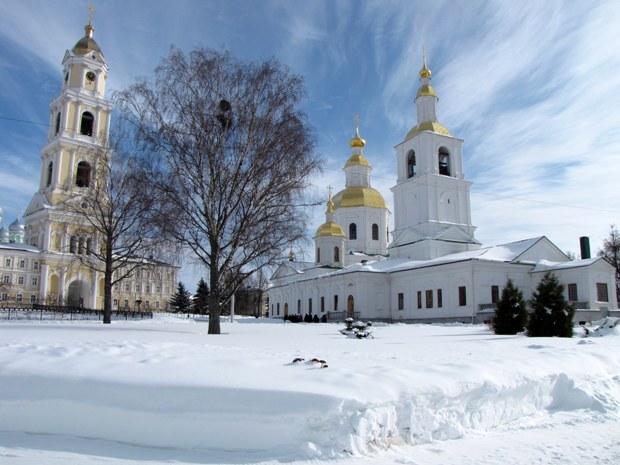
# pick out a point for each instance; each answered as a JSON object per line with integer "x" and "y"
{"x": 358, "y": 195}
{"x": 87, "y": 44}
{"x": 330, "y": 228}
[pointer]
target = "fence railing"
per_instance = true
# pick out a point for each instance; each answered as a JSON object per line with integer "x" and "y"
{"x": 64, "y": 312}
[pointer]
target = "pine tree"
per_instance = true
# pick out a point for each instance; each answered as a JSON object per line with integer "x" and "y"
{"x": 510, "y": 316}
{"x": 181, "y": 301}
{"x": 552, "y": 316}
{"x": 201, "y": 298}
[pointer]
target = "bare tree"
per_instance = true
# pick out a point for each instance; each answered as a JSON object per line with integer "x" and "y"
{"x": 234, "y": 155}
{"x": 114, "y": 211}
{"x": 611, "y": 254}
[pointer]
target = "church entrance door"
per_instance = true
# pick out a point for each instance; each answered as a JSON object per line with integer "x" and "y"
{"x": 350, "y": 306}
{"x": 285, "y": 310}
{"x": 79, "y": 293}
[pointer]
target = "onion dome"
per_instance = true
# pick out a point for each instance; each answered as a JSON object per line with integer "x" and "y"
{"x": 359, "y": 196}
{"x": 87, "y": 43}
{"x": 16, "y": 226}
{"x": 4, "y": 235}
{"x": 357, "y": 141}
{"x": 432, "y": 126}
{"x": 330, "y": 227}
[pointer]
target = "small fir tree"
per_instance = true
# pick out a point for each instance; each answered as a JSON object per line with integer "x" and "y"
{"x": 201, "y": 298}
{"x": 510, "y": 316}
{"x": 181, "y": 301}
{"x": 552, "y": 315}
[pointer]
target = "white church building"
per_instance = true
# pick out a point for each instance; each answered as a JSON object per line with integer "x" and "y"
{"x": 434, "y": 269}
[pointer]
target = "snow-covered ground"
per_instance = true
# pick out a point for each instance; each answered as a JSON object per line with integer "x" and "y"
{"x": 163, "y": 391}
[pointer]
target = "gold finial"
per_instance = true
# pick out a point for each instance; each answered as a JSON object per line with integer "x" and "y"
{"x": 329, "y": 191}
{"x": 91, "y": 10}
{"x": 357, "y": 141}
{"x": 330, "y": 203}
{"x": 424, "y": 72}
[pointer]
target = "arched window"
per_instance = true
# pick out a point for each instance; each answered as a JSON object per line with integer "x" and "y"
{"x": 444, "y": 161}
{"x": 318, "y": 254}
{"x": 81, "y": 246}
{"x": 57, "y": 122}
{"x": 82, "y": 179}
{"x": 89, "y": 245}
{"x": 50, "y": 172}
{"x": 86, "y": 128}
{"x": 352, "y": 231}
{"x": 411, "y": 164}
{"x": 375, "y": 232}
{"x": 73, "y": 244}
{"x": 336, "y": 254}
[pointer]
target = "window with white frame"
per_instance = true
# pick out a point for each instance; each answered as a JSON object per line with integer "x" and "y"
{"x": 34, "y": 281}
{"x": 20, "y": 280}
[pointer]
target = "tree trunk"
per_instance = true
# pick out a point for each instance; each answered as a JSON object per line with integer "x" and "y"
{"x": 214, "y": 314}
{"x": 107, "y": 283}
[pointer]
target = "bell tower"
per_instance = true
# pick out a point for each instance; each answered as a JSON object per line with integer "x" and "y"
{"x": 77, "y": 144}
{"x": 432, "y": 212}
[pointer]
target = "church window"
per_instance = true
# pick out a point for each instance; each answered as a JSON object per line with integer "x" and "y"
{"x": 601, "y": 292}
{"x": 4, "y": 297}
{"x": 35, "y": 281}
{"x": 462, "y": 296}
{"x": 336, "y": 254}
{"x": 375, "y": 232}
{"x": 572, "y": 293}
{"x": 157, "y": 304}
{"x": 20, "y": 280}
{"x": 33, "y": 298}
{"x": 411, "y": 167}
{"x": 81, "y": 246}
{"x": 7, "y": 262}
{"x": 89, "y": 244}
{"x": 138, "y": 288}
{"x": 35, "y": 265}
{"x": 429, "y": 298}
{"x": 318, "y": 254}
{"x": 494, "y": 294}
{"x": 73, "y": 244}
{"x": 298, "y": 305}
{"x": 322, "y": 304}
{"x": 127, "y": 287}
{"x": 439, "y": 298}
{"x": 278, "y": 308}
{"x": 22, "y": 263}
{"x": 86, "y": 127}
{"x": 18, "y": 297}
{"x": 335, "y": 302}
{"x": 82, "y": 179}
{"x": 50, "y": 172}
{"x": 126, "y": 303}
{"x": 401, "y": 301}
{"x": 353, "y": 231}
{"x": 58, "y": 123}
{"x": 6, "y": 279}
{"x": 310, "y": 306}
{"x": 419, "y": 299}
{"x": 444, "y": 161}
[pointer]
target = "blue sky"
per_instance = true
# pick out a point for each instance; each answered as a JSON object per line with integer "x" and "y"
{"x": 533, "y": 88}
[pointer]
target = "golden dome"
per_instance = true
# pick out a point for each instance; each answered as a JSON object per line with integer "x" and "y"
{"x": 426, "y": 90}
{"x": 432, "y": 126}
{"x": 357, "y": 196}
{"x": 330, "y": 229}
{"x": 357, "y": 160}
{"x": 87, "y": 43}
{"x": 425, "y": 72}
{"x": 357, "y": 141}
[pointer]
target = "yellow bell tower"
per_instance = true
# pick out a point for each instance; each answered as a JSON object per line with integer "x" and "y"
{"x": 70, "y": 162}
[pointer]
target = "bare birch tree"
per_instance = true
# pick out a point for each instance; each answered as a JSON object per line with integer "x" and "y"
{"x": 116, "y": 211}
{"x": 232, "y": 156}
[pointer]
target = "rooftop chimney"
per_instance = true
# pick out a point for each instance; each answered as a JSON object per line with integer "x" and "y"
{"x": 584, "y": 244}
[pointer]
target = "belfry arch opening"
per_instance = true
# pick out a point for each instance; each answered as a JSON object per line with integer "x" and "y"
{"x": 444, "y": 161}
{"x": 50, "y": 172}
{"x": 411, "y": 166}
{"x": 82, "y": 178}
{"x": 86, "y": 126}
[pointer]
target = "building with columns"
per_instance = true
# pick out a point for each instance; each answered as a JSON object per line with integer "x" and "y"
{"x": 39, "y": 257}
{"x": 433, "y": 269}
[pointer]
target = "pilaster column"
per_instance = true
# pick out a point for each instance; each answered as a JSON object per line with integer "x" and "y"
{"x": 57, "y": 162}
{"x": 78, "y": 109}
{"x": 44, "y": 282}
{"x": 61, "y": 286}
{"x": 71, "y": 168}
{"x": 65, "y": 116}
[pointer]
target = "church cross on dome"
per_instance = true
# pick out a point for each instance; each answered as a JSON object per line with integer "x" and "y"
{"x": 91, "y": 10}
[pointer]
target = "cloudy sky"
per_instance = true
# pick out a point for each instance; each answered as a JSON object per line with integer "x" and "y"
{"x": 533, "y": 88}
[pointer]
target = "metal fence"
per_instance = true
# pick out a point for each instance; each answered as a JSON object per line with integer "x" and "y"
{"x": 63, "y": 312}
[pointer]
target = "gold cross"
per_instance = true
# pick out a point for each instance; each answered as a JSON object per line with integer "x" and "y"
{"x": 329, "y": 191}
{"x": 91, "y": 10}
{"x": 357, "y": 120}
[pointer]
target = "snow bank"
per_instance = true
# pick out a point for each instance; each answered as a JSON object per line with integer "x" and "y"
{"x": 168, "y": 385}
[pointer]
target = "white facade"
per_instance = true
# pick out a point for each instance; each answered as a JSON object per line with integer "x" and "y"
{"x": 437, "y": 270}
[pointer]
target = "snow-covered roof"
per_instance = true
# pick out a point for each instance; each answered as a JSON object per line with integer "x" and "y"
{"x": 21, "y": 247}
{"x": 546, "y": 265}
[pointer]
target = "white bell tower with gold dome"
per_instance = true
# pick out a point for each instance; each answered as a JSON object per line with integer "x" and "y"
{"x": 330, "y": 240}
{"x": 432, "y": 212}
{"x": 360, "y": 209}
{"x": 70, "y": 162}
